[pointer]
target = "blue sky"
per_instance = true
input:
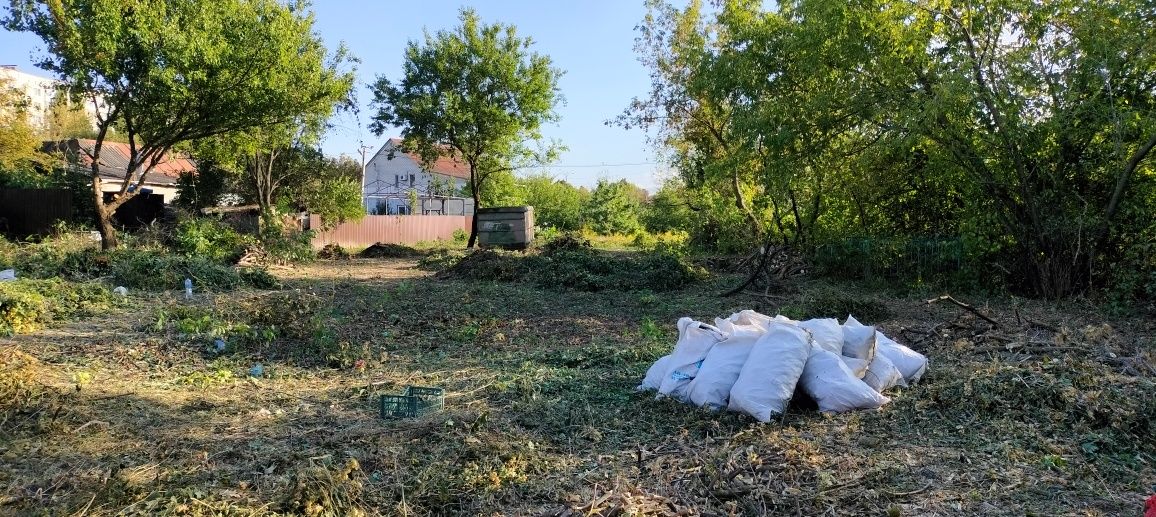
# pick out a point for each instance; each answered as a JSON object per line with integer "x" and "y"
{"x": 592, "y": 41}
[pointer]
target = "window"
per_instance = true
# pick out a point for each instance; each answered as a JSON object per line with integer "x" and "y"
{"x": 411, "y": 179}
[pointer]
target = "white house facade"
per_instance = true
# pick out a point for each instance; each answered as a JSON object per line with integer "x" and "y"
{"x": 40, "y": 93}
{"x": 394, "y": 178}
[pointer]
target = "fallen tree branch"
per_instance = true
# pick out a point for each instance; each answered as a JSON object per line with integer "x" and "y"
{"x": 229, "y": 209}
{"x": 964, "y": 306}
{"x": 766, "y": 253}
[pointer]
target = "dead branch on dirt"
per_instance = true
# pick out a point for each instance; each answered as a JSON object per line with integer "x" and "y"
{"x": 769, "y": 265}
{"x": 964, "y": 306}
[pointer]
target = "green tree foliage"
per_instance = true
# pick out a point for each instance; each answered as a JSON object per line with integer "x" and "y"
{"x": 669, "y": 209}
{"x": 1025, "y": 127}
{"x": 502, "y": 189}
{"x": 203, "y": 188}
{"x": 19, "y": 147}
{"x": 300, "y": 178}
{"x": 614, "y": 208}
{"x": 67, "y": 119}
{"x": 332, "y": 190}
{"x": 556, "y": 203}
{"x": 478, "y": 93}
{"x": 173, "y": 71}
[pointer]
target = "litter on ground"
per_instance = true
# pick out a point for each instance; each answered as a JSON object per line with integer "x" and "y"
{"x": 754, "y": 364}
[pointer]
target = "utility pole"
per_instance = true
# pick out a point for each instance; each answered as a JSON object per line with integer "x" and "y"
{"x": 363, "y": 149}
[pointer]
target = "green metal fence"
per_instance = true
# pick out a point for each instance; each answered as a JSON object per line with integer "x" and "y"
{"x": 920, "y": 259}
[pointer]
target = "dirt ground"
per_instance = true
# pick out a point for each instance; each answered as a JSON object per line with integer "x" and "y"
{"x": 1048, "y": 412}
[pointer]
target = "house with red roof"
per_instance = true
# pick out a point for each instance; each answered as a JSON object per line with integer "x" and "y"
{"x": 114, "y": 158}
{"x": 392, "y": 174}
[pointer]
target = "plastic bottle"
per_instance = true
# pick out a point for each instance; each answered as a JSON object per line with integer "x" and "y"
{"x": 188, "y": 288}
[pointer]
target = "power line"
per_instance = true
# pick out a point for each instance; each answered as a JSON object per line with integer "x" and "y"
{"x": 591, "y": 166}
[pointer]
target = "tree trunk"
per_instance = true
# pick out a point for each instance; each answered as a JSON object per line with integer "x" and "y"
{"x": 474, "y": 221}
{"x": 103, "y": 214}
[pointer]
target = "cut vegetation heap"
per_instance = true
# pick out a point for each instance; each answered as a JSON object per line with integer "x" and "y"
{"x": 571, "y": 263}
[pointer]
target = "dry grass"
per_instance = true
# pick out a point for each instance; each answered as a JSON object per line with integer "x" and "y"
{"x": 122, "y": 415}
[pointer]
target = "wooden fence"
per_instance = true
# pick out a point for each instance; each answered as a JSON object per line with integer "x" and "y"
{"x": 25, "y": 212}
{"x": 393, "y": 229}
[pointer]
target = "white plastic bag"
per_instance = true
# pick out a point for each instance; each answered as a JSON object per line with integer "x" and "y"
{"x": 882, "y": 374}
{"x": 783, "y": 319}
{"x": 834, "y": 387}
{"x": 695, "y": 339}
{"x": 7, "y": 274}
{"x": 731, "y": 329}
{"x": 772, "y": 370}
{"x": 655, "y": 374}
{"x": 910, "y": 363}
{"x": 858, "y": 340}
{"x": 749, "y": 317}
{"x": 827, "y": 332}
{"x": 721, "y": 368}
{"x": 857, "y": 366}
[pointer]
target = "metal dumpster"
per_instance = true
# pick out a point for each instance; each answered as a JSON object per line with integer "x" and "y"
{"x": 509, "y": 227}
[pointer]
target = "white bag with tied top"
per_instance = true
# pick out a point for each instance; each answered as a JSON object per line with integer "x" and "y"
{"x": 833, "y": 385}
{"x": 772, "y": 370}
{"x": 655, "y": 374}
{"x": 828, "y": 333}
{"x": 910, "y": 363}
{"x": 712, "y": 387}
{"x": 695, "y": 339}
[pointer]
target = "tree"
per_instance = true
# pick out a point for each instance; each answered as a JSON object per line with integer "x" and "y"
{"x": 297, "y": 178}
{"x": 1028, "y": 123}
{"x": 614, "y": 208}
{"x": 556, "y": 203}
{"x": 669, "y": 209}
{"x": 19, "y": 147}
{"x": 67, "y": 119}
{"x": 333, "y": 192}
{"x": 479, "y": 94}
{"x": 168, "y": 72}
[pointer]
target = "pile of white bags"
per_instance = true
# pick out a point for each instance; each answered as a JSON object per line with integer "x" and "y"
{"x": 753, "y": 363}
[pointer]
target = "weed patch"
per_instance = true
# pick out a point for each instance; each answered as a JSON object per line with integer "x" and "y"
{"x": 27, "y": 305}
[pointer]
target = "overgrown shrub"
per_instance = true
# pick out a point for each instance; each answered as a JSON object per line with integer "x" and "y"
{"x": 28, "y": 304}
{"x": 211, "y": 239}
{"x": 21, "y": 310}
{"x": 157, "y": 271}
{"x": 288, "y": 248}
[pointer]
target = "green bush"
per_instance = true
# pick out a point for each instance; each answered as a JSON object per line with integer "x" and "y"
{"x": 156, "y": 271}
{"x": 29, "y": 304}
{"x": 21, "y": 310}
{"x": 289, "y": 248}
{"x": 211, "y": 239}
{"x": 461, "y": 236}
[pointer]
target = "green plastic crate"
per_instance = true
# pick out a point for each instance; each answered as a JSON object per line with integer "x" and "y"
{"x": 415, "y": 401}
